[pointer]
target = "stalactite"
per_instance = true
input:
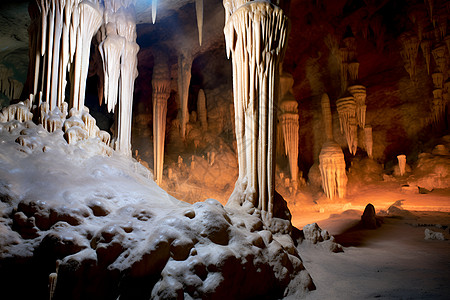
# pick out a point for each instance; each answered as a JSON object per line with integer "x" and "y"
{"x": 425, "y": 45}
{"x": 359, "y": 94}
{"x": 402, "y": 163}
{"x": 201, "y": 108}
{"x": 331, "y": 158}
{"x": 439, "y": 57}
{"x": 199, "y": 11}
{"x": 438, "y": 80}
{"x": 410, "y": 44}
{"x": 184, "y": 78}
{"x": 290, "y": 124}
{"x": 154, "y": 9}
{"x": 343, "y": 54}
{"x": 128, "y": 74}
{"x": 353, "y": 68}
{"x": 111, "y": 50}
{"x": 161, "y": 93}
{"x": 255, "y": 34}
{"x": 90, "y": 19}
{"x": 346, "y": 108}
{"x": 368, "y": 140}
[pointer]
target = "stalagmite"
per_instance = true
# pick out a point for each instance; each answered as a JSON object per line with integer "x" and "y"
{"x": 359, "y": 94}
{"x": 331, "y": 158}
{"x": 161, "y": 93}
{"x": 201, "y": 108}
{"x": 401, "y": 163}
{"x": 290, "y": 124}
{"x": 184, "y": 78}
{"x": 255, "y": 35}
{"x": 199, "y": 11}
{"x": 368, "y": 140}
{"x": 346, "y": 108}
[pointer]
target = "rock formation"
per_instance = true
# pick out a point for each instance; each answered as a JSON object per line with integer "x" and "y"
{"x": 255, "y": 71}
{"x": 161, "y": 93}
{"x": 184, "y": 78}
{"x": 346, "y": 107}
{"x": 201, "y": 109}
{"x": 331, "y": 158}
{"x": 402, "y": 163}
{"x": 289, "y": 122}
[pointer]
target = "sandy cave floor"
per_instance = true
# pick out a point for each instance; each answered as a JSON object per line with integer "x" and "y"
{"x": 393, "y": 261}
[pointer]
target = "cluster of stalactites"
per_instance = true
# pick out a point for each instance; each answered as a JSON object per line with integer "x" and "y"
{"x": 255, "y": 35}
{"x": 346, "y": 108}
{"x": 331, "y": 158}
{"x": 161, "y": 93}
{"x": 60, "y": 41}
{"x": 349, "y": 65}
{"x": 118, "y": 49}
{"x": 352, "y": 114}
{"x": 430, "y": 21}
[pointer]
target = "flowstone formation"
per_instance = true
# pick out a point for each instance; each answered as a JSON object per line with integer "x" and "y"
{"x": 255, "y": 35}
{"x": 102, "y": 229}
{"x": 331, "y": 158}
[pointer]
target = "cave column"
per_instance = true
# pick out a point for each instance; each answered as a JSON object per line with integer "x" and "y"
{"x": 255, "y": 33}
{"x": 161, "y": 93}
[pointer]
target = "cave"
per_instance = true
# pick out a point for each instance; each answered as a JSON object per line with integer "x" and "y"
{"x": 235, "y": 149}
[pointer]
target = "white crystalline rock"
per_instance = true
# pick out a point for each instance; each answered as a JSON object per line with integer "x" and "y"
{"x": 111, "y": 50}
{"x": 433, "y": 235}
{"x": 184, "y": 78}
{"x": 359, "y": 94}
{"x": 20, "y": 112}
{"x": 75, "y": 134}
{"x": 154, "y": 10}
{"x": 331, "y": 158}
{"x": 128, "y": 74}
{"x": 289, "y": 119}
{"x": 255, "y": 35}
{"x": 104, "y": 136}
{"x": 368, "y": 140}
{"x": 161, "y": 93}
{"x": 52, "y": 120}
{"x": 201, "y": 108}
{"x": 199, "y": 13}
{"x": 90, "y": 20}
{"x": 346, "y": 108}
{"x": 401, "y": 163}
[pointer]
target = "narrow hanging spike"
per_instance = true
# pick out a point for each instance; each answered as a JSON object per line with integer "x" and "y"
{"x": 199, "y": 10}
{"x": 154, "y": 7}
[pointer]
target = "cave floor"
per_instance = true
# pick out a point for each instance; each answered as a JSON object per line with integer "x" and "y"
{"x": 394, "y": 261}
